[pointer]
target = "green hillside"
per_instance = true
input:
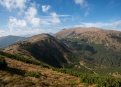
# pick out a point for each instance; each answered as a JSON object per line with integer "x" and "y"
{"x": 93, "y": 48}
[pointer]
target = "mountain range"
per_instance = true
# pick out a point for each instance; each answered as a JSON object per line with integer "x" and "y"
{"x": 94, "y": 47}
{"x": 76, "y": 47}
{"x": 8, "y": 40}
{"x": 88, "y": 50}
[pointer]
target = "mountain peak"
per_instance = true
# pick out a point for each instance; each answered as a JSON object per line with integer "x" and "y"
{"x": 42, "y": 47}
{"x": 40, "y": 37}
{"x": 81, "y": 29}
{"x": 77, "y": 30}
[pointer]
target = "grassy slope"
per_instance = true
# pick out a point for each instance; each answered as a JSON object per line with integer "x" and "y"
{"x": 41, "y": 47}
{"x": 84, "y": 77}
{"x": 95, "y": 56}
{"x": 15, "y": 75}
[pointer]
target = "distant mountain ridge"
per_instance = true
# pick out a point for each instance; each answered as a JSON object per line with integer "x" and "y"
{"x": 93, "y": 47}
{"x": 8, "y": 40}
{"x": 92, "y": 35}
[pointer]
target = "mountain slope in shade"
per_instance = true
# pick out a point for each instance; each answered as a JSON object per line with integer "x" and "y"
{"x": 43, "y": 47}
{"x": 93, "y": 47}
{"x": 8, "y": 40}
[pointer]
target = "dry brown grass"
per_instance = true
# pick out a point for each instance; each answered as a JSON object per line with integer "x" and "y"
{"x": 15, "y": 76}
{"x": 96, "y": 35}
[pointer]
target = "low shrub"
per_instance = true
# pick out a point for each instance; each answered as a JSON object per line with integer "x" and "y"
{"x": 33, "y": 74}
{"x": 3, "y": 63}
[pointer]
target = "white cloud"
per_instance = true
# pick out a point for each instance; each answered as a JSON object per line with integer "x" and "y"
{"x": 31, "y": 13}
{"x": 82, "y": 3}
{"x": 55, "y": 18}
{"x": 117, "y": 24}
{"x": 109, "y": 25}
{"x": 2, "y": 31}
{"x": 35, "y": 21}
{"x": 64, "y": 15}
{"x": 46, "y": 22}
{"x": 31, "y": 16}
{"x": 28, "y": 21}
{"x": 16, "y": 23}
{"x": 13, "y": 4}
{"x": 45, "y": 8}
{"x": 25, "y": 32}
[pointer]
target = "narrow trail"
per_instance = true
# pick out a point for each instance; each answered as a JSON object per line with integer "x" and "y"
{"x": 82, "y": 64}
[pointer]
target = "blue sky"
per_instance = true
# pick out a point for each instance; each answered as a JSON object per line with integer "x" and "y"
{"x": 30, "y": 17}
